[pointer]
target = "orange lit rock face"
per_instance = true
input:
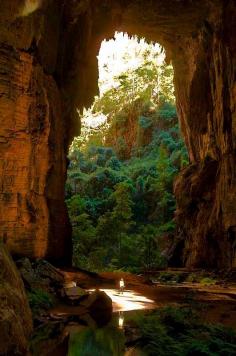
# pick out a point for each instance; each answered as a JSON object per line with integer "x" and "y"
{"x": 24, "y": 155}
{"x": 32, "y": 166}
{"x": 48, "y": 68}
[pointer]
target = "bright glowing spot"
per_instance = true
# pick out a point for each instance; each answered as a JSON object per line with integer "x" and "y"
{"x": 121, "y": 320}
{"x": 70, "y": 284}
{"x": 91, "y": 120}
{"x": 118, "y": 59}
{"x": 30, "y": 6}
{"x": 128, "y": 300}
{"x": 122, "y": 54}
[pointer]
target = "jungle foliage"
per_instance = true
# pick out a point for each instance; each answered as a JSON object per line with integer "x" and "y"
{"x": 119, "y": 190}
{"x": 180, "y": 332}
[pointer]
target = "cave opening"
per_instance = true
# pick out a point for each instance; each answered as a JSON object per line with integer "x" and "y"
{"x": 50, "y": 50}
{"x": 119, "y": 189}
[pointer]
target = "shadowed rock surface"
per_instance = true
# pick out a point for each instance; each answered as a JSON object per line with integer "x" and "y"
{"x": 15, "y": 314}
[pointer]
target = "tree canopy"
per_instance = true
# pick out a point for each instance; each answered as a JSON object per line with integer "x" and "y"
{"x": 119, "y": 188}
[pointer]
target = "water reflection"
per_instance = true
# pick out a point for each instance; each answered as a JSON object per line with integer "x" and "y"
{"x": 121, "y": 320}
{"x": 94, "y": 335}
{"x": 106, "y": 341}
{"x": 110, "y": 340}
{"x": 128, "y": 300}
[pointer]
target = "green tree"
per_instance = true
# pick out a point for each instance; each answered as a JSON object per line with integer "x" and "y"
{"x": 114, "y": 225}
{"x": 122, "y": 212}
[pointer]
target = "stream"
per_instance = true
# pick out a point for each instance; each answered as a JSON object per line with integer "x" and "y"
{"x": 89, "y": 337}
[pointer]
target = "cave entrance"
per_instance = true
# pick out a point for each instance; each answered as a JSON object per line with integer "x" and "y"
{"x": 120, "y": 177}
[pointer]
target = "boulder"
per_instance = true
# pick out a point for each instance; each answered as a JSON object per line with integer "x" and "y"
{"x": 46, "y": 270}
{"x": 74, "y": 295}
{"x": 27, "y": 272}
{"x": 99, "y": 306}
{"x": 97, "y": 300}
{"x": 40, "y": 274}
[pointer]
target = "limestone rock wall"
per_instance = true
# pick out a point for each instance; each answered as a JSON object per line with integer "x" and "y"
{"x": 206, "y": 191}
{"x": 33, "y": 218}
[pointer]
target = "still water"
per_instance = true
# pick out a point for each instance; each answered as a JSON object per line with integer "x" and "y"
{"x": 98, "y": 337}
{"x": 106, "y": 341}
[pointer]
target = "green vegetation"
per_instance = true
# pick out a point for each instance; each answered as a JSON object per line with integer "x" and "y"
{"x": 180, "y": 332}
{"x": 204, "y": 278}
{"x": 39, "y": 300}
{"x": 167, "y": 277}
{"x": 208, "y": 281}
{"x": 119, "y": 189}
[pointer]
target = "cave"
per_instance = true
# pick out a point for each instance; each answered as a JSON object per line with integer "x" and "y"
{"x": 49, "y": 69}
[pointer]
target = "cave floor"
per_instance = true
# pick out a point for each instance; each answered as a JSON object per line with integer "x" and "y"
{"x": 215, "y": 303}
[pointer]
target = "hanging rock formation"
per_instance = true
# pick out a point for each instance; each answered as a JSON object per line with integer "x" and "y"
{"x": 48, "y": 69}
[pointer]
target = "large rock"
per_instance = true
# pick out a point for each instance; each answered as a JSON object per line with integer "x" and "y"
{"x": 40, "y": 274}
{"x": 98, "y": 300}
{"x": 15, "y": 314}
{"x": 74, "y": 295}
{"x": 46, "y": 270}
{"x": 99, "y": 305}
